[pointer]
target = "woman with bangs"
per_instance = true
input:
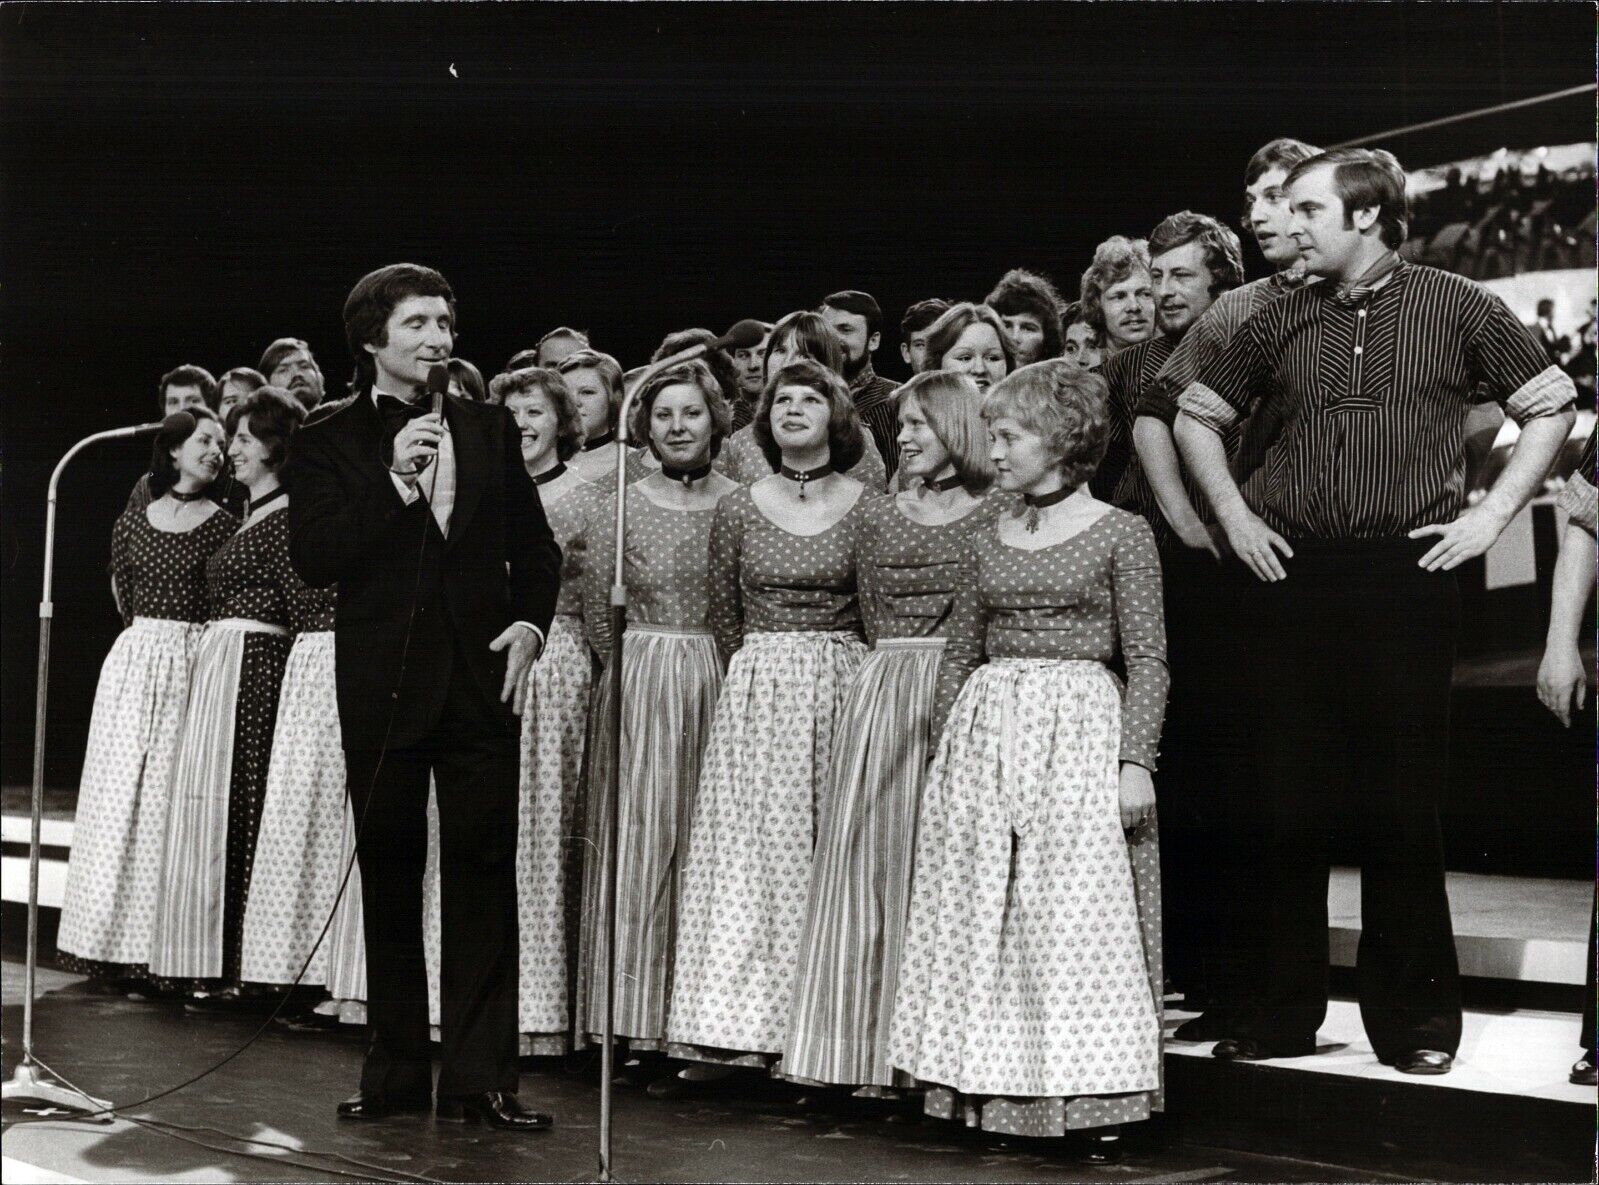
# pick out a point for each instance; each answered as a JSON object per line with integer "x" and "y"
{"x": 671, "y": 676}
{"x": 595, "y": 382}
{"x": 970, "y": 339}
{"x": 219, "y": 774}
{"x": 159, "y": 552}
{"x": 784, "y": 610}
{"x": 1030, "y": 993}
{"x": 554, "y": 731}
{"x": 798, "y": 335}
{"x": 912, "y": 555}
{"x": 642, "y": 458}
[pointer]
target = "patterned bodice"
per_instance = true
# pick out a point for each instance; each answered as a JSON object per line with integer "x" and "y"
{"x": 909, "y": 572}
{"x": 249, "y": 576}
{"x": 163, "y": 573}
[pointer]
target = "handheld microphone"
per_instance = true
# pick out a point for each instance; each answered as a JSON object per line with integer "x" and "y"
{"x": 438, "y": 386}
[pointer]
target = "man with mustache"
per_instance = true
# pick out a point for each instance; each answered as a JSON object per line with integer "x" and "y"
{"x": 858, "y": 320}
{"x": 288, "y": 363}
{"x": 1208, "y": 782}
{"x": 1118, "y": 300}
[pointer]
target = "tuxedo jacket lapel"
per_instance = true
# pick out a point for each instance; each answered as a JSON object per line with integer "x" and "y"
{"x": 469, "y": 435}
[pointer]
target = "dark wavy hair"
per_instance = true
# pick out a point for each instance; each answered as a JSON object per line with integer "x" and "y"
{"x": 1020, "y": 291}
{"x": 845, "y": 444}
{"x": 470, "y": 378}
{"x": 957, "y": 319}
{"x": 190, "y": 375}
{"x": 1067, "y": 406}
{"x": 542, "y": 380}
{"x": 808, "y": 334}
{"x": 1365, "y": 177}
{"x": 373, "y": 299}
{"x": 175, "y": 429}
{"x": 719, "y": 361}
{"x": 694, "y": 374}
{"x": 1223, "y": 255}
{"x": 274, "y": 414}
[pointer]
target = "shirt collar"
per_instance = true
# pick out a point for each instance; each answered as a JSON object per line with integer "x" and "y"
{"x": 866, "y": 375}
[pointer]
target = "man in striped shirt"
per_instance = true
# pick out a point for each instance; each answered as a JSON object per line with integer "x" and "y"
{"x": 858, "y": 320}
{"x": 1354, "y": 525}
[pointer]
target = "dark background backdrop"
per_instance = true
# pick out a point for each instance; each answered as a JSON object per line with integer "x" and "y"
{"x": 185, "y": 183}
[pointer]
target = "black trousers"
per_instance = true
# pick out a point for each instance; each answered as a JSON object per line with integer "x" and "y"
{"x": 473, "y": 760}
{"x": 1355, "y": 656}
{"x": 1206, "y": 784}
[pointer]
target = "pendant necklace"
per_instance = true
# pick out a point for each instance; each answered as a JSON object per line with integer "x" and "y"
{"x": 1037, "y": 502}
{"x": 804, "y": 475}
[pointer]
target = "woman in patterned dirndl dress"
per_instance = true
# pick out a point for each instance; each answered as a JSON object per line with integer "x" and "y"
{"x": 1030, "y": 989}
{"x": 911, "y": 556}
{"x": 299, "y": 853}
{"x": 595, "y": 381}
{"x": 549, "y": 853}
{"x": 159, "y": 552}
{"x": 219, "y": 773}
{"x": 671, "y": 675}
{"x": 796, "y": 336}
{"x": 783, "y": 605}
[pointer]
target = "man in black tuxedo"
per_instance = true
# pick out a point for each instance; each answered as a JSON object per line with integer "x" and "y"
{"x": 447, "y": 575}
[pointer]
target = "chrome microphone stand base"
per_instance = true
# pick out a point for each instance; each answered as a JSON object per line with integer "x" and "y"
{"x": 30, "y": 1081}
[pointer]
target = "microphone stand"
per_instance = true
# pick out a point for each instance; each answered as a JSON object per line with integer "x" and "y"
{"x": 31, "y": 1079}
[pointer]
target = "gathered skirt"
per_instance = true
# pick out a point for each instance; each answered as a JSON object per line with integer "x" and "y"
{"x": 549, "y": 845}
{"x": 299, "y": 854}
{"x": 1030, "y": 990}
{"x": 861, "y": 875}
{"x": 670, "y": 682}
{"x": 748, "y": 868}
{"x": 114, "y": 870}
{"x": 218, "y": 781}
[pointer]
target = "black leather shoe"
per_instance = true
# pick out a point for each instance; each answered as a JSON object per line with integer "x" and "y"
{"x": 495, "y": 1108}
{"x": 381, "y": 1106}
{"x": 1583, "y": 1074}
{"x": 1212, "y": 1025}
{"x": 1247, "y": 1049}
{"x": 1424, "y": 1061}
{"x": 1103, "y": 1146}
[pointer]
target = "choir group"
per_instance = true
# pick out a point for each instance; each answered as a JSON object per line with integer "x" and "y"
{"x": 893, "y": 681}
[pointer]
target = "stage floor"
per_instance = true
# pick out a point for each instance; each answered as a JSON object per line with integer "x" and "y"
{"x": 285, "y": 1087}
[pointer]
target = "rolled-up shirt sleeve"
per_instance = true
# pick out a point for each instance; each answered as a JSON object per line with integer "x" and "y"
{"x": 1225, "y": 388}
{"x": 1203, "y": 341}
{"x": 1505, "y": 357}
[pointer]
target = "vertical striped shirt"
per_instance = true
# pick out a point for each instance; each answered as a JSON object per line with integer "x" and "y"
{"x": 874, "y": 402}
{"x": 1374, "y": 395}
{"x": 1120, "y": 478}
{"x": 1207, "y": 337}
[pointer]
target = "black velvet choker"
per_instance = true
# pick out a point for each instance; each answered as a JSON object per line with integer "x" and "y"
{"x": 550, "y": 474}
{"x": 192, "y": 496}
{"x": 686, "y": 476}
{"x": 598, "y": 442}
{"x": 942, "y": 484}
{"x": 1037, "y": 502}
{"x": 804, "y": 475}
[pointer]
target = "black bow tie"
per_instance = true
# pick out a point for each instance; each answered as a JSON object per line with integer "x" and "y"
{"x": 397, "y": 412}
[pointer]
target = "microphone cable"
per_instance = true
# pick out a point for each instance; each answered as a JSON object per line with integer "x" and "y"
{"x": 116, "y": 1109}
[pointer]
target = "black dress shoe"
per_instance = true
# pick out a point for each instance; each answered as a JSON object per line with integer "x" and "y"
{"x": 1423, "y": 1061}
{"x": 495, "y": 1108}
{"x": 1103, "y": 1146}
{"x": 1583, "y": 1074}
{"x": 381, "y": 1106}
{"x": 1247, "y": 1049}
{"x": 1214, "y": 1024}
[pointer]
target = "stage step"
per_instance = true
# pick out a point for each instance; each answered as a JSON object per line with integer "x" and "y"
{"x": 1521, "y": 928}
{"x": 1507, "y": 1111}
